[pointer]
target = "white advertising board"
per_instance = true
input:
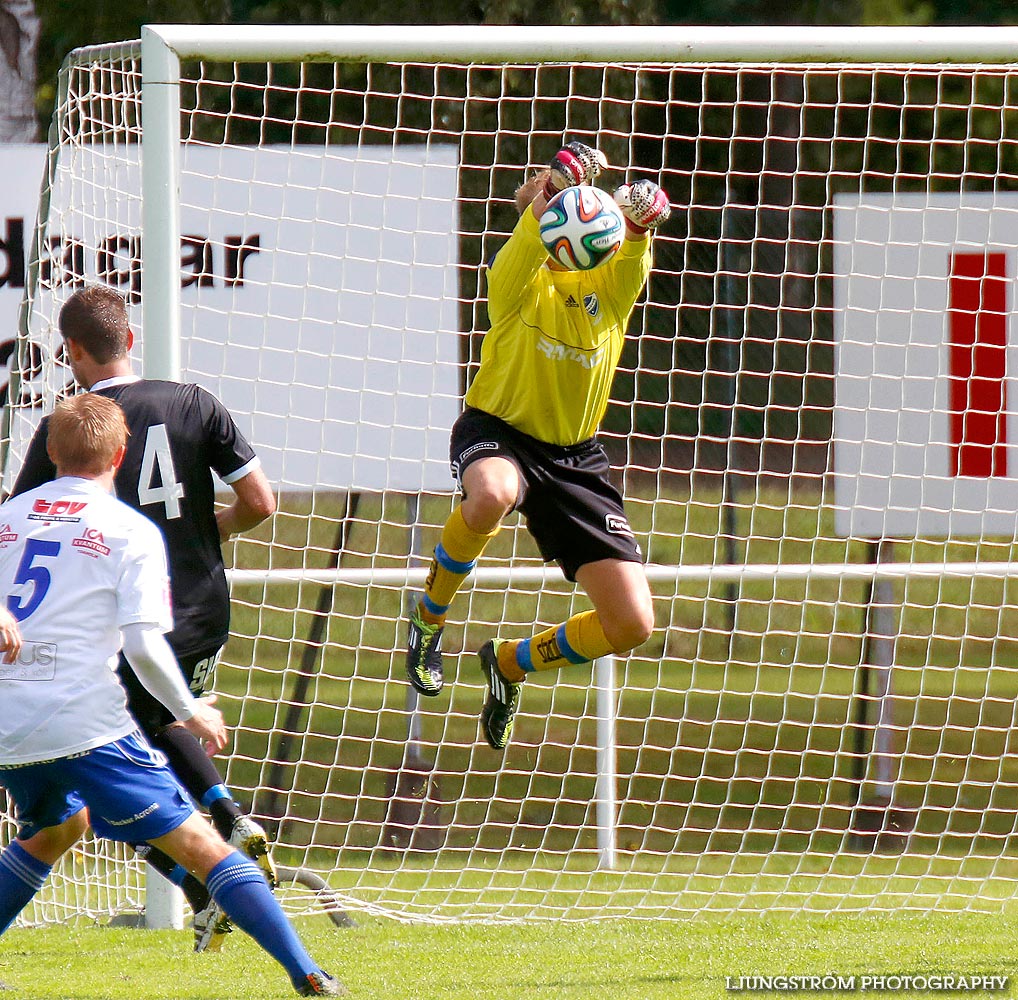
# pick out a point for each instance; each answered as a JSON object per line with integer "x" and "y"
{"x": 925, "y": 425}
{"x": 319, "y": 293}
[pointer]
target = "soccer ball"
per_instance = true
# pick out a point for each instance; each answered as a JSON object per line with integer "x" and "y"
{"x": 582, "y": 227}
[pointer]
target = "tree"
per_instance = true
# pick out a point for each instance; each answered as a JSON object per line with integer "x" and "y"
{"x": 19, "y": 37}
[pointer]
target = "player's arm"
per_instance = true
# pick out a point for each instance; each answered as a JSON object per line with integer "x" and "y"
{"x": 143, "y": 616}
{"x": 515, "y": 265}
{"x": 575, "y": 163}
{"x": 38, "y": 467}
{"x": 645, "y": 206}
{"x": 253, "y": 502}
{"x": 156, "y": 667}
{"x": 231, "y": 456}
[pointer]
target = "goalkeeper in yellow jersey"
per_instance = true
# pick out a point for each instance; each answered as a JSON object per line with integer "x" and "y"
{"x": 525, "y": 441}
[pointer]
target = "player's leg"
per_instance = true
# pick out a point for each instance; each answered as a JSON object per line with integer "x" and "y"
{"x": 491, "y": 488}
{"x": 51, "y": 820}
{"x": 577, "y": 518}
{"x": 240, "y": 889}
{"x": 491, "y": 485}
{"x": 622, "y": 619}
{"x": 187, "y": 757}
{"x": 197, "y": 774}
{"x": 196, "y": 771}
{"x": 200, "y": 777}
{"x": 133, "y": 796}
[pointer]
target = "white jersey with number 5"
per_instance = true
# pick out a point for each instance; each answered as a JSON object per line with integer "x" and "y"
{"x": 76, "y": 565}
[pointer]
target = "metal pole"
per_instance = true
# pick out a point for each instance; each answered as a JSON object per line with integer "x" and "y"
{"x": 862, "y": 698}
{"x": 417, "y": 558}
{"x": 606, "y": 787}
{"x": 883, "y": 630}
{"x": 160, "y": 210}
{"x": 160, "y": 269}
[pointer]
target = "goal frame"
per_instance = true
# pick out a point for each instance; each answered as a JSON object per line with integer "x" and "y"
{"x": 163, "y": 47}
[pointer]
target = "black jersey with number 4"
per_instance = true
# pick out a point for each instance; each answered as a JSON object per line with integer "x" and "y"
{"x": 179, "y": 433}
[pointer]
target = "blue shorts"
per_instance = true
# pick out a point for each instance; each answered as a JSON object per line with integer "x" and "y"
{"x": 129, "y": 789}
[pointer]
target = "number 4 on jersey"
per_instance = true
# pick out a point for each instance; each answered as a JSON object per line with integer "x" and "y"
{"x": 157, "y": 479}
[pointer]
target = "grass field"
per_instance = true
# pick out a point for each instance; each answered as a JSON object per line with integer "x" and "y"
{"x": 736, "y": 760}
{"x": 615, "y": 960}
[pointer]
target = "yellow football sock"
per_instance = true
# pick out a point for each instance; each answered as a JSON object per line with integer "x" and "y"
{"x": 455, "y": 555}
{"x": 578, "y": 640}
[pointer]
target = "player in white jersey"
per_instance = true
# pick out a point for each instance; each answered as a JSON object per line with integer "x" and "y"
{"x": 180, "y": 438}
{"x": 83, "y": 576}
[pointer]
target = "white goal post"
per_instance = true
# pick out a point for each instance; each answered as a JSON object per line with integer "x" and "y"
{"x": 811, "y": 425}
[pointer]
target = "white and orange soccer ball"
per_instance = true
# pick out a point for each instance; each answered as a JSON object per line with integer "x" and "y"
{"x": 582, "y": 227}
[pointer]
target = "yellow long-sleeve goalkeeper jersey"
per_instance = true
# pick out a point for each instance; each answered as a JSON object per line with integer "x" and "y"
{"x": 549, "y": 358}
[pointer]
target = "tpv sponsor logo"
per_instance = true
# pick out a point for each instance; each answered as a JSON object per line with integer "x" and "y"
{"x": 57, "y": 510}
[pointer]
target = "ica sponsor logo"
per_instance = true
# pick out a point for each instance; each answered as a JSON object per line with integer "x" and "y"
{"x": 91, "y": 541}
{"x": 57, "y": 510}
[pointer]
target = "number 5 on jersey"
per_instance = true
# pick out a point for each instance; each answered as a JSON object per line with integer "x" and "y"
{"x": 157, "y": 467}
{"x": 30, "y": 570}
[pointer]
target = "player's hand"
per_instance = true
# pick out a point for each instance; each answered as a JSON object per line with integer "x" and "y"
{"x": 208, "y": 724}
{"x": 575, "y": 163}
{"x": 10, "y": 636}
{"x": 644, "y": 204}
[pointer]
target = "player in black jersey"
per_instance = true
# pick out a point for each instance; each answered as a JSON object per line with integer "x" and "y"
{"x": 179, "y": 435}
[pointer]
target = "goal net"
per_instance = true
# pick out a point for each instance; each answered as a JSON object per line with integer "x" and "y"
{"x": 811, "y": 425}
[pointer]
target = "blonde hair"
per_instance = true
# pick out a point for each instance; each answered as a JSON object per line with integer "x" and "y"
{"x": 85, "y": 434}
{"x": 530, "y": 189}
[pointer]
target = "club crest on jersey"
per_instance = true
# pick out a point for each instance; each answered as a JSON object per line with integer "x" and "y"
{"x": 591, "y": 304}
{"x": 57, "y": 510}
{"x": 7, "y": 535}
{"x": 92, "y": 541}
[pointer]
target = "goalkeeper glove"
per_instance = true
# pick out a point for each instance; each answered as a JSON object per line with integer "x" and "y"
{"x": 573, "y": 164}
{"x": 644, "y": 204}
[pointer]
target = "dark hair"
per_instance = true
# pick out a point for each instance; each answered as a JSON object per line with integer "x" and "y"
{"x": 95, "y": 317}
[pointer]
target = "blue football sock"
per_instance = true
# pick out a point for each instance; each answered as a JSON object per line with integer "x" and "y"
{"x": 240, "y": 888}
{"x": 21, "y": 877}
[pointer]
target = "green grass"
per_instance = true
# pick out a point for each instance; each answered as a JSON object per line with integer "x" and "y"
{"x": 735, "y": 729}
{"x": 623, "y": 960}
{"x": 736, "y": 761}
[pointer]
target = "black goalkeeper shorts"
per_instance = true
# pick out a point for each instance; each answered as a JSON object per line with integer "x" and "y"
{"x": 573, "y": 512}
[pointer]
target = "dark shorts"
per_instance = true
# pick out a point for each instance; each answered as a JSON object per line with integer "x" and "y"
{"x": 573, "y": 512}
{"x": 129, "y": 789}
{"x": 199, "y": 670}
